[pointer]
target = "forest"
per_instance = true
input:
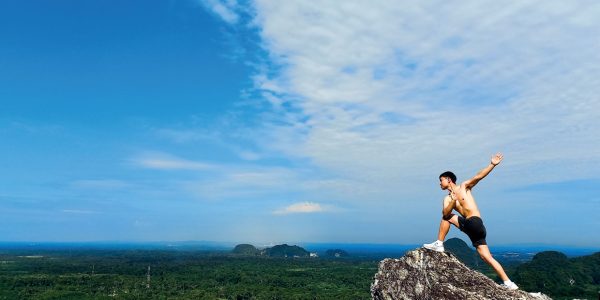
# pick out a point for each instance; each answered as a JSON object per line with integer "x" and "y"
{"x": 178, "y": 274}
{"x": 154, "y": 274}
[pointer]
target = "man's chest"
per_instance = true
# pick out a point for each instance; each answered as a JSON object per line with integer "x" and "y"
{"x": 463, "y": 198}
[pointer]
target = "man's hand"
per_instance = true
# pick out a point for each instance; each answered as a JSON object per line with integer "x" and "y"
{"x": 496, "y": 159}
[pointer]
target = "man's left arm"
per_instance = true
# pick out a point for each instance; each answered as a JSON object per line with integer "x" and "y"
{"x": 495, "y": 160}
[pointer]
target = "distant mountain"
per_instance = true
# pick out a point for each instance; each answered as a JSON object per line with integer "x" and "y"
{"x": 286, "y": 251}
{"x": 465, "y": 254}
{"x": 551, "y": 272}
{"x": 336, "y": 253}
{"x": 245, "y": 249}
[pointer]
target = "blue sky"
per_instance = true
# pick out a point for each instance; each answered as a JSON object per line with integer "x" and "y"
{"x": 271, "y": 122}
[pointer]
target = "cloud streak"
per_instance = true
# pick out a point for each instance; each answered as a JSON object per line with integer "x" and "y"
{"x": 300, "y": 208}
{"x": 161, "y": 161}
{"x": 78, "y": 211}
{"x": 103, "y": 184}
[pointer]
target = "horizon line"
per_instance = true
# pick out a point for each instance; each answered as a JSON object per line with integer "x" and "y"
{"x": 222, "y": 243}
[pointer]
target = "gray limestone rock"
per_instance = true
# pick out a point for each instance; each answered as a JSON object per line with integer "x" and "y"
{"x": 429, "y": 275}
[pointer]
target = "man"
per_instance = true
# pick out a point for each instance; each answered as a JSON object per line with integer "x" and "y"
{"x": 459, "y": 198}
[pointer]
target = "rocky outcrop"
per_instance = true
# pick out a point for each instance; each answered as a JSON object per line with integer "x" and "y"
{"x": 425, "y": 274}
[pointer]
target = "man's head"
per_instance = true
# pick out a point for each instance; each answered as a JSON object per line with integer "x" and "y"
{"x": 446, "y": 178}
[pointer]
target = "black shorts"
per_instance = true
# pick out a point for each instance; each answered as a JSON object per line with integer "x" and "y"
{"x": 474, "y": 228}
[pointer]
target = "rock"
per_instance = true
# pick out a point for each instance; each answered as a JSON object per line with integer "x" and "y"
{"x": 425, "y": 274}
{"x": 465, "y": 254}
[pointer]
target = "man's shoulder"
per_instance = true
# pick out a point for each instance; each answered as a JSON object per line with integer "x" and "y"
{"x": 465, "y": 185}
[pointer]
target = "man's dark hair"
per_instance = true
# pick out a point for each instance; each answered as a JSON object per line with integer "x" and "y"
{"x": 449, "y": 175}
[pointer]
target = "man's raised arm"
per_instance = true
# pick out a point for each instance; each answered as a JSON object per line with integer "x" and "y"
{"x": 496, "y": 159}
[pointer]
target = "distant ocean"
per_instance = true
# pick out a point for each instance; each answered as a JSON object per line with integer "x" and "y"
{"x": 355, "y": 249}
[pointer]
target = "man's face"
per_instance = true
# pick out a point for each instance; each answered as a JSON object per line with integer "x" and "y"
{"x": 444, "y": 183}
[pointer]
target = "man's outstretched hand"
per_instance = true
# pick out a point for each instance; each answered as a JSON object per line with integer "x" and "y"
{"x": 496, "y": 159}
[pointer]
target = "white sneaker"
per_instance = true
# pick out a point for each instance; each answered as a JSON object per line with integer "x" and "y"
{"x": 510, "y": 285}
{"x": 435, "y": 246}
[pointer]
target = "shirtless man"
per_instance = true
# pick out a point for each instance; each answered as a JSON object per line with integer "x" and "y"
{"x": 461, "y": 199}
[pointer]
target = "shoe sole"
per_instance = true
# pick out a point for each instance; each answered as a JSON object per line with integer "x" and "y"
{"x": 433, "y": 249}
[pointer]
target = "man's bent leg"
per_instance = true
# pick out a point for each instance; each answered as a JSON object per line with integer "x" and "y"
{"x": 444, "y": 229}
{"x": 445, "y": 226}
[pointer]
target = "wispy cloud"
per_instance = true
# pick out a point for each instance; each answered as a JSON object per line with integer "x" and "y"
{"x": 300, "y": 208}
{"x": 78, "y": 211}
{"x": 219, "y": 181}
{"x": 246, "y": 182}
{"x": 184, "y": 135}
{"x": 101, "y": 184}
{"x": 225, "y": 9}
{"x": 225, "y": 137}
{"x": 391, "y": 94}
{"x": 29, "y": 127}
{"x": 161, "y": 161}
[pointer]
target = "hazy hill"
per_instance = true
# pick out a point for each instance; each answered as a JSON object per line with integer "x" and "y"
{"x": 245, "y": 249}
{"x": 551, "y": 272}
{"x": 286, "y": 250}
{"x": 336, "y": 253}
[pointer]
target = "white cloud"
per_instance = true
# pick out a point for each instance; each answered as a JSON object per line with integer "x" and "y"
{"x": 302, "y": 207}
{"x": 225, "y": 9}
{"x": 389, "y": 94}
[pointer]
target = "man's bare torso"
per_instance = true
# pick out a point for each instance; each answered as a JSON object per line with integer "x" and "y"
{"x": 465, "y": 203}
